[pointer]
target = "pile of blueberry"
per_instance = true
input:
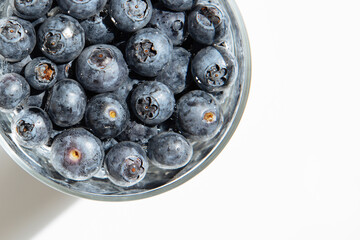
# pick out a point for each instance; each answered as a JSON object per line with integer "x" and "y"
{"x": 115, "y": 85}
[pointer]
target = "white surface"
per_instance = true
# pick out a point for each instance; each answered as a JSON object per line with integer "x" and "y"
{"x": 291, "y": 171}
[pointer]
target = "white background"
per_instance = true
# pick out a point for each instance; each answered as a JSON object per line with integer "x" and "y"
{"x": 291, "y": 171}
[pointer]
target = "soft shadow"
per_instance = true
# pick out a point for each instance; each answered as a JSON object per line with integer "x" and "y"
{"x": 26, "y": 205}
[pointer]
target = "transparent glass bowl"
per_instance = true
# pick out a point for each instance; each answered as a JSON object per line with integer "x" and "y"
{"x": 36, "y": 162}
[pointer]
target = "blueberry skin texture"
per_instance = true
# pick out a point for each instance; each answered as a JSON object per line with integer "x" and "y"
{"x": 148, "y": 51}
{"x": 106, "y": 116}
{"x": 41, "y": 73}
{"x": 207, "y": 24}
{"x": 124, "y": 90}
{"x": 66, "y": 103}
{"x": 199, "y": 117}
{"x": 169, "y": 150}
{"x": 178, "y": 5}
{"x": 31, "y": 127}
{"x": 64, "y": 70}
{"x": 97, "y": 30}
{"x": 212, "y": 69}
{"x": 171, "y": 23}
{"x": 139, "y": 133}
{"x": 130, "y": 15}
{"x": 152, "y": 102}
{"x": 81, "y": 9}
{"x": 174, "y": 74}
{"x": 31, "y": 9}
{"x": 61, "y": 38}
{"x": 17, "y": 39}
{"x": 77, "y": 154}
{"x": 126, "y": 164}
{"x": 14, "y": 90}
{"x": 101, "y": 68}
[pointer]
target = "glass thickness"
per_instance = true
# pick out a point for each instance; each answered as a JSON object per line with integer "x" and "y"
{"x": 36, "y": 161}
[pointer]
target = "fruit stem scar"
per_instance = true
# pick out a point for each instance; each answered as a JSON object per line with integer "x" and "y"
{"x": 209, "y": 117}
{"x": 75, "y": 155}
{"x": 112, "y": 114}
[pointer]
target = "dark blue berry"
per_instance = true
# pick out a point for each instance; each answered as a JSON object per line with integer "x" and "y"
{"x": 97, "y": 30}
{"x": 178, "y": 5}
{"x": 207, "y": 24}
{"x": 41, "y": 73}
{"x": 148, "y": 51}
{"x": 14, "y": 90}
{"x": 64, "y": 70}
{"x": 77, "y": 154}
{"x": 36, "y": 100}
{"x": 152, "y": 102}
{"x": 198, "y": 115}
{"x": 106, "y": 116}
{"x": 213, "y": 69}
{"x": 81, "y": 9}
{"x": 31, "y": 127}
{"x": 169, "y": 150}
{"x": 17, "y": 39}
{"x": 139, "y": 133}
{"x": 61, "y": 38}
{"x": 130, "y": 15}
{"x": 66, "y": 103}
{"x": 174, "y": 74}
{"x": 101, "y": 68}
{"x": 171, "y": 23}
{"x": 126, "y": 164}
{"x": 31, "y": 9}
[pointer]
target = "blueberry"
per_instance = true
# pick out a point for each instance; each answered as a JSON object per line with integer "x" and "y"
{"x": 138, "y": 133}
{"x": 130, "y": 15}
{"x": 77, "y": 154}
{"x": 152, "y": 102}
{"x": 61, "y": 38}
{"x": 66, "y": 103}
{"x": 14, "y": 90}
{"x": 148, "y": 51}
{"x": 17, "y": 39}
{"x": 31, "y": 9}
{"x": 174, "y": 74}
{"x": 106, "y": 116}
{"x": 178, "y": 5}
{"x": 126, "y": 164}
{"x": 31, "y": 127}
{"x": 171, "y": 23}
{"x": 81, "y": 9}
{"x": 41, "y": 73}
{"x": 198, "y": 115}
{"x": 207, "y": 24}
{"x": 169, "y": 150}
{"x": 97, "y": 29}
{"x": 101, "y": 68}
{"x": 213, "y": 69}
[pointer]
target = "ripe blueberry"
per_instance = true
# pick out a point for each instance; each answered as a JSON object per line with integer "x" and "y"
{"x": 148, "y": 51}
{"x": 106, "y": 116}
{"x": 77, "y": 154}
{"x": 61, "y": 38}
{"x": 31, "y": 9}
{"x": 126, "y": 164}
{"x": 81, "y": 9}
{"x": 178, "y": 5}
{"x": 66, "y": 103}
{"x": 130, "y": 15}
{"x": 169, "y": 150}
{"x": 199, "y": 116}
{"x": 14, "y": 90}
{"x": 41, "y": 73}
{"x": 152, "y": 102}
{"x": 31, "y": 127}
{"x": 17, "y": 39}
{"x": 101, "y": 68}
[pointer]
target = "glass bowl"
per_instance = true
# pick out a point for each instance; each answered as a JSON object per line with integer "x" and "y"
{"x": 36, "y": 161}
